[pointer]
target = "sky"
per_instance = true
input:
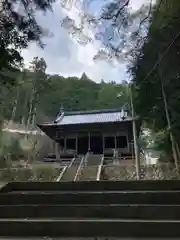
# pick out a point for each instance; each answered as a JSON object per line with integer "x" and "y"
{"x": 64, "y": 56}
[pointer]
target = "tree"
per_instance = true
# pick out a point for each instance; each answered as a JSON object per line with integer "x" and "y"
{"x": 39, "y": 83}
{"x": 119, "y": 30}
{"x": 112, "y": 94}
{"x": 123, "y": 36}
{"x": 38, "y": 96}
{"x": 18, "y": 27}
{"x": 156, "y": 73}
{"x": 84, "y": 77}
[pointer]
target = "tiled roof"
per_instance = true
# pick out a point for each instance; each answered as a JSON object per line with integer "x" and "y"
{"x": 87, "y": 117}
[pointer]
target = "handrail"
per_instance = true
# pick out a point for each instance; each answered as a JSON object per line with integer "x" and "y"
{"x": 115, "y": 153}
{"x": 80, "y": 165}
{"x": 62, "y": 173}
{"x": 100, "y": 169}
{"x": 72, "y": 161}
{"x": 46, "y": 159}
{"x": 65, "y": 169}
{"x": 17, "y": 168}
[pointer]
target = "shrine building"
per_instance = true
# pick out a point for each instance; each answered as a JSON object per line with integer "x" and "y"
{"x": 96, "y": 131}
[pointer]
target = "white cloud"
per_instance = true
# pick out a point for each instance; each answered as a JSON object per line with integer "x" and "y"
{"x": 64, "y": 56}
{"x": 136, "y": 4}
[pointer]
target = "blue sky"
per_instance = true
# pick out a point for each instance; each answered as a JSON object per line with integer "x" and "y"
{"x": 64, "y": 56}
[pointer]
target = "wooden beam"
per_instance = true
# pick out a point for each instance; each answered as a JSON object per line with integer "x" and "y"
{"x": 89, "y": 141}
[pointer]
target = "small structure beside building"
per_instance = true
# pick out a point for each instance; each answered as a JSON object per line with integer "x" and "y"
{"x": 96, "y": 131}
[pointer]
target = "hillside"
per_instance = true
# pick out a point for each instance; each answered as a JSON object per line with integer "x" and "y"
{"x": 36, "y": 99}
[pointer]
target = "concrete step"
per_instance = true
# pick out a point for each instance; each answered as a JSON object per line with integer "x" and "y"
{"x": 69, "y": 174}
{"x": 88, "y": 173}
{"x": 91, "y": 197}
{"x": 94, "y": 160}
{"x": 89, "y": 228}
{"x": 93, "y": 185}
{"x": 77, "y": 161}
{"x": 149, "y": 212}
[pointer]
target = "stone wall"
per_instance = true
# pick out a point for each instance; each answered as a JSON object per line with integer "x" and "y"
{"x": 38, "y": 173}
{"x": 151, "y": 172}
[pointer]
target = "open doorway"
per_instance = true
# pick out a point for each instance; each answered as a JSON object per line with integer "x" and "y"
{"x": 71, "y": 143}
{"x": 96, "y": 144}
{"x": 121, "y": 141}
{"x": 109, "y": 142}
{"x": 83, "y": 144}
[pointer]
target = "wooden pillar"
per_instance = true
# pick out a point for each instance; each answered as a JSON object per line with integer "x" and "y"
{"x": 57, "y": 151}
{"x": 128, "y": 146}
{"x": 89, "y": 142}
{"x": 53, "y": 146}
{"x": 64, "y": 143}
{"x": 103, "y": 143}
{"x": 76, "y": 144}
{"x": 127, "y": 139}
{"x": 115, "y": 142}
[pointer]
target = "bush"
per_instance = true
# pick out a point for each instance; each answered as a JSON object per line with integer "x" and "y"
{"x": 38, "y": 173}
{"x": 148, "y": 172}
{"x": 46, "y": 173}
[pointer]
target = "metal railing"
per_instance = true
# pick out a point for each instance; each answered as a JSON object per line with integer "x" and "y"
{"x": 100, "y": 169}
{"x": 65, "y": 169}
{"x": 83, "y": 160}
{"x": 71, "y": 163}
{"x": 62, "y": 173}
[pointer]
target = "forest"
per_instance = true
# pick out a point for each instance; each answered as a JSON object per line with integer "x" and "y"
{"x": 37, "y": 97}
{"x": 151, "y": 50}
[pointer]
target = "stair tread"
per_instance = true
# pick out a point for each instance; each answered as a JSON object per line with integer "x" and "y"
{"x": 88, "y": 220}
{"x": 154, "y": 205}
{"x": 90, "y": 228}
{"x": 89, "y": 192}
{"x": 145, "y": 185}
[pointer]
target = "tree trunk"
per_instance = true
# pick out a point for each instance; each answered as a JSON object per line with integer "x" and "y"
{"x": 175, "y": 155}
{"x": 136, "y": 144}
{"x": 29, "y": 120}
{"x": 24, "y": 117}
{"x": 178, "y": 151}
{"x": 14, "y": 107}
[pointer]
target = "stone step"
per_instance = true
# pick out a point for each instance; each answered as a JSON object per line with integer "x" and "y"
{"x": 77, "y": 161}
{"x": 88, "y": 173}
{"x": 91, "y": 197}
{"x": 89, "y": 228}
{"x": 155, "y": 212}
{"x": 93, "y": 185}
{"x": 94, "y": 160}
{"x": 69, "y": 174}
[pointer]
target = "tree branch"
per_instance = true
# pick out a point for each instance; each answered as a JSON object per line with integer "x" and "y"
{"x": 121, "y": 8}
{"x": 148, "y": 15}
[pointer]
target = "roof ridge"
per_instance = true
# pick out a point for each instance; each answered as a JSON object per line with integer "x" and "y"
{"x": 83, "y": 112}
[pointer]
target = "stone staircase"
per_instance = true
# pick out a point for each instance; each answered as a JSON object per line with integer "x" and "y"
{"x": 90, "y": 168}
{"x": 70, "y": 172}
{"x": 127, "y": 209}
